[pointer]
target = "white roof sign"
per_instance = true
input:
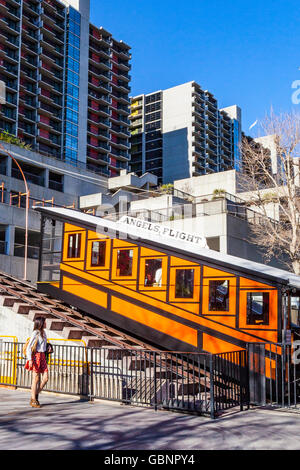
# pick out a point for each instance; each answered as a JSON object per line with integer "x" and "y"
{"x": 145, "y": 228}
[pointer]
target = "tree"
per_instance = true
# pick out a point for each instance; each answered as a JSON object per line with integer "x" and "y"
{"x": 273, "y": 176}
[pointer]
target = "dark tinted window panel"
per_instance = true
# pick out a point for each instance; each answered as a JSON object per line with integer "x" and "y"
{"x": 157, "y": 172}
{"x": 155, "y": 144}
{"x": 154, "y": 164}
{"x": 153, "y": 135}
{"x": 153, "y": 98}
{"x": 153, "y": 155}
{"x": 136, "y": 167}
{"x": 153, "y": 117}
{"x": 184, "y": 284}
{"x": 258, "y": 304}
{"x": 219, "y": 296}
{"x": 153, "y": 107}
{"x": 136, "y": 148}
{"x": 136, "y": 158}
{"x": 136, "y": 139}
{"x": 153, "y": 125}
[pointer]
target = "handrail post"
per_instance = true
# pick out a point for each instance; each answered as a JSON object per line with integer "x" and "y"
{"x": 212, "y": 387}
{"x": 242, "y": 381}
{"x": 155, "y": 390}
{"x": 91, "y": 377}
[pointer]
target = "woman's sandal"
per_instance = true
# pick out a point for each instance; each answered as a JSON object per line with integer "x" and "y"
{"x": 34, "y": 403}
{"x": 37, "y": 399}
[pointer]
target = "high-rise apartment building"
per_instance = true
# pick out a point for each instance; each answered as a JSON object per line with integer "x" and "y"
{"x": 67, "y": 83}
{"x": 180, "y": 132}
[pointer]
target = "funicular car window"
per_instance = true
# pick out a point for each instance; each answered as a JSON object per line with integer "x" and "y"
{"x": 219, "y": 296}
{"x": 98, "y": 254}
{"x": 184, "y": 284}
{"x": 153, "y": 273}
{"x": 258, "y": 308}
{"x": 124, "y": 263}
{"x": 74, "y": 245}
{"x": 295, "y": 310}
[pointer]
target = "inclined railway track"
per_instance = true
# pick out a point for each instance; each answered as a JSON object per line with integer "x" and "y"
{"x": 45, "y": 304}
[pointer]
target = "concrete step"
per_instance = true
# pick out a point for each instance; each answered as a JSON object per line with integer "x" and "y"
{"x": 92, "y": 341}
{"x": 71, "y": 332}
{"x": 112, "y": 353}
{"x": 140, "y": 365}
{"x": 33, "y": 314}
{"x": 56, "y": 324}
{"x": 22, "y": 308}
{"x": 7, "y": 300}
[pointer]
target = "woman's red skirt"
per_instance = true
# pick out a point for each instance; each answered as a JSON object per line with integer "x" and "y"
{"x": 39, "y": 363}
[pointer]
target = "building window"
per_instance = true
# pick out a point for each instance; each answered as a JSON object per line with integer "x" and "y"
{"x": 98, "y": 254}
{"x": 258, "y": 308}
{"x": 219, "y": 296}
{"x": 71, "y": 129}
{"x": 124, "y": 264}
{"x": 184, "y": 284}
{"x": 74, "y": 244}
{"x": 153, "y": 273}
{"x": 74, "y": 40}
{"x": 72, "y": 90}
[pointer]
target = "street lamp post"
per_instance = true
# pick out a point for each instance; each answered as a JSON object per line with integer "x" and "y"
{"x": 26, "y": 211}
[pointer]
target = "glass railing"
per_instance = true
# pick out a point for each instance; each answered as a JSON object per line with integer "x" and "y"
{"x": 56, "y": 186}
{"x": 32, "y": 251}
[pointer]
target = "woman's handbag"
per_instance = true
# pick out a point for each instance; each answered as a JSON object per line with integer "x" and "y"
{"x": 49, "y": 350}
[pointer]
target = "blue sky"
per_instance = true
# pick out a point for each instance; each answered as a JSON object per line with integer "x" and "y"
{"x": 246, "y": 53}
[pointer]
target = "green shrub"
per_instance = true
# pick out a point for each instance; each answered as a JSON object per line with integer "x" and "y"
{"x": 12, "y": 139}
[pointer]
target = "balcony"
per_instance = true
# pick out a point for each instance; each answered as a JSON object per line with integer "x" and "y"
{"x": 120, "y": 130}
{"x": 100, "y": 157}
{"x": 119, "y": 153}
{"x": 11, "y": 26}
{"x": 10, "y": 40}
{"x": 11, "y": 13}
{"x": 118, "y": 164}
{"x": 9, "y": 69}
{"x": 53, "y": 23}
{"x": 37, "y": 179}
{"x": 124, "y": 65}
{"x": 8, "y": 113}
{"x": 33, "y": 9}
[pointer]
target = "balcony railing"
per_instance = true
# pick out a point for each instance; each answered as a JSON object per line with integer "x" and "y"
{"x": 30, "y": 177}
{"x": 3, "y": 247}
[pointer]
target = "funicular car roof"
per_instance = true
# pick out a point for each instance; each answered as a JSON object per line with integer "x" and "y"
{"x": 223, "y": 261}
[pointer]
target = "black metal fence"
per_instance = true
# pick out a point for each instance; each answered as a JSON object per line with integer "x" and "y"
{"x": 195, "y": 383}
{"x": 230, "y": 377}
{"x": 274, "y": 374}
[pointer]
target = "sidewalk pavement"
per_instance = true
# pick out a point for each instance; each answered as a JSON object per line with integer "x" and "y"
{"x": 66, "y": 423}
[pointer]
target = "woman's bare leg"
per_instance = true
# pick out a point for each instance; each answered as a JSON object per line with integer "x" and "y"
{"x": 34, "y": 385}
{"x": 45, "y": 379}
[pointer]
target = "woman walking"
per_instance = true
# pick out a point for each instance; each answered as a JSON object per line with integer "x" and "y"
{"x": 36, "y": 360}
